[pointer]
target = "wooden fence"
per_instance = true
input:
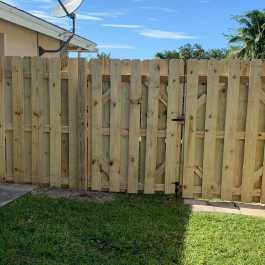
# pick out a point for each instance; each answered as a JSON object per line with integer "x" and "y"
{"x": 225, "y": 130}
{"x": 117, "y": 125}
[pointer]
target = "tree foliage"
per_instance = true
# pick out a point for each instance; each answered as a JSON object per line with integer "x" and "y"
{"x": 103, "y": 55}
{"x": 188, "y": 51}
{"x": 248, "y": 41}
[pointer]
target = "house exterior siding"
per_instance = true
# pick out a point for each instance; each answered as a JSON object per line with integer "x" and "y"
{"x": 19, "y": 41}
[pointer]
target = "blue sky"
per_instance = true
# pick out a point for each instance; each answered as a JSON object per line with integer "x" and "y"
{"x": 140, "y": 28}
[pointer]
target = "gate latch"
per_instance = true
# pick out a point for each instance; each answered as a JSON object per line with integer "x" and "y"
{"x": 179, "y": 119}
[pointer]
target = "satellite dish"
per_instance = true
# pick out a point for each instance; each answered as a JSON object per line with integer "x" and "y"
{"x": 66, "y": 7}
{"x": 63, "y": 9}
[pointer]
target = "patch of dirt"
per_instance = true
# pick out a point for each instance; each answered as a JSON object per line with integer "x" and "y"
{"x": 99, "y": 197}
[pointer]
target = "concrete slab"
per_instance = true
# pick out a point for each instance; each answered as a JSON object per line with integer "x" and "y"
{"x": 11, "y": 192}
{"x": 256, "y": 210}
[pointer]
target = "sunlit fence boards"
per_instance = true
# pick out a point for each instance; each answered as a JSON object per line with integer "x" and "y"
{"x": 135, "y": 126}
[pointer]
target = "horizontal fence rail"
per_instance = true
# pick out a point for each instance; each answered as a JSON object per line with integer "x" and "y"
{"x": 135, "y": 126}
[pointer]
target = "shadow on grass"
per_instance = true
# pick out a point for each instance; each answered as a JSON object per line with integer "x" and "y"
{"x": 131, "y": 230}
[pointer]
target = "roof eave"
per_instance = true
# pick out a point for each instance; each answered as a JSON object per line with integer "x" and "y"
{"x": 29, "y": 21}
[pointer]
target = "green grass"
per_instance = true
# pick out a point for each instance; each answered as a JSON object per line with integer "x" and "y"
{"x": 130, "y": 230}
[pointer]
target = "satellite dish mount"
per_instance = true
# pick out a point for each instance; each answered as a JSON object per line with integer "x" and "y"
{"x": 62, "y": 10}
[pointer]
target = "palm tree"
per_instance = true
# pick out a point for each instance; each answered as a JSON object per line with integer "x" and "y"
{"x": 249, "y": 40}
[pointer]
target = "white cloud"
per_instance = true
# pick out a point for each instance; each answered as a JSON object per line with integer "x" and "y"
{"x": 116, "y": 46}
{"x": 11, "y": 2}
{"x": 125, "y": 26}
{"x": 87, "y": 17}
{"x": 160, "y": 34}
{"x": 43, "y": 1}
{"x": 111, "y": 14}
{"x": 47, "y": 17}
{"x": 160, "y": 9}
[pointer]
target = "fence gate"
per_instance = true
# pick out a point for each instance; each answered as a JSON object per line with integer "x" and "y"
{"x": 136, "y": 137}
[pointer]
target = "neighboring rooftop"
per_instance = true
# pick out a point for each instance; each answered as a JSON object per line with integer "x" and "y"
{"x": 29, "y": 21}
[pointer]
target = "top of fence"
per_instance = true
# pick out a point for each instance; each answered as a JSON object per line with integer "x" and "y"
{"x": 164, "y": 65}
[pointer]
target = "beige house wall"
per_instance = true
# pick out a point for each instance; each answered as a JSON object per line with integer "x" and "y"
{"x": 19, "y": 41}
{"x": 2, "y": 44}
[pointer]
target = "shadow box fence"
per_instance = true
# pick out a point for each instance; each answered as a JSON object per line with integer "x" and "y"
{"x": 135, "y": 126}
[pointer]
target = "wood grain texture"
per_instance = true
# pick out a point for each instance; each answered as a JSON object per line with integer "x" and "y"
{"x": 190, "y": 127}
{"x": 134, "y": 123}
{"x": 97, "y": 155}
{"x": 36, "y": 83}
{"x": 55, "y": 121}
{"x": 152, "y": 125}
{"x": 230, "y": 140}
{"x": 73, "y": 123}
{"x": 18, "y": 118}
{"x": 209, "y": 162}
{"x": 82, "y": 118}
{"x": 173, "y": 139}
{"x": 251, "y": 131}
{"x": 115, "y": 125}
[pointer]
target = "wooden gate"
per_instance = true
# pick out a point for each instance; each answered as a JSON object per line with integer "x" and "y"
{"x": 136, "y": 137}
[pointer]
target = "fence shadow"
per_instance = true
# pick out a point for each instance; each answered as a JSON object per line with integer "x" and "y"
{"x": 161, "y": 223}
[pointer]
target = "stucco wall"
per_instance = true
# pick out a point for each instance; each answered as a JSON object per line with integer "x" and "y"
{"x": 20, "y": 41}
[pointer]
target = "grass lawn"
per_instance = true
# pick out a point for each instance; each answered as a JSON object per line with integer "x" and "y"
{"x": 129, "y": 230}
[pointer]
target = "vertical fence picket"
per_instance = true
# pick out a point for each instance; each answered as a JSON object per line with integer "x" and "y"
{"x": 27, "y": 121}
{"x": 89, "y": 127}
{"x": 173, "y": 139}
{"x": 247, "y": 189}
{"x": 73, "y": 122}
{"x": 152, "y": 126}
{"x": 190, "y": 127}
{"x": 82, "y": 117}
{"x": 209, "y": 166}
{"x": 115, "y": 121}
{"x": 55, "y": 121}
{"x": 2, "y": 121}
{"x": 143, "y": 123}
{"x": 232, "y": 106}
{"x": 134, "y": 130}
{"x": 96, "y": 79}
{"x": 18, "y": 118}
{"x": 36, "y": 80}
